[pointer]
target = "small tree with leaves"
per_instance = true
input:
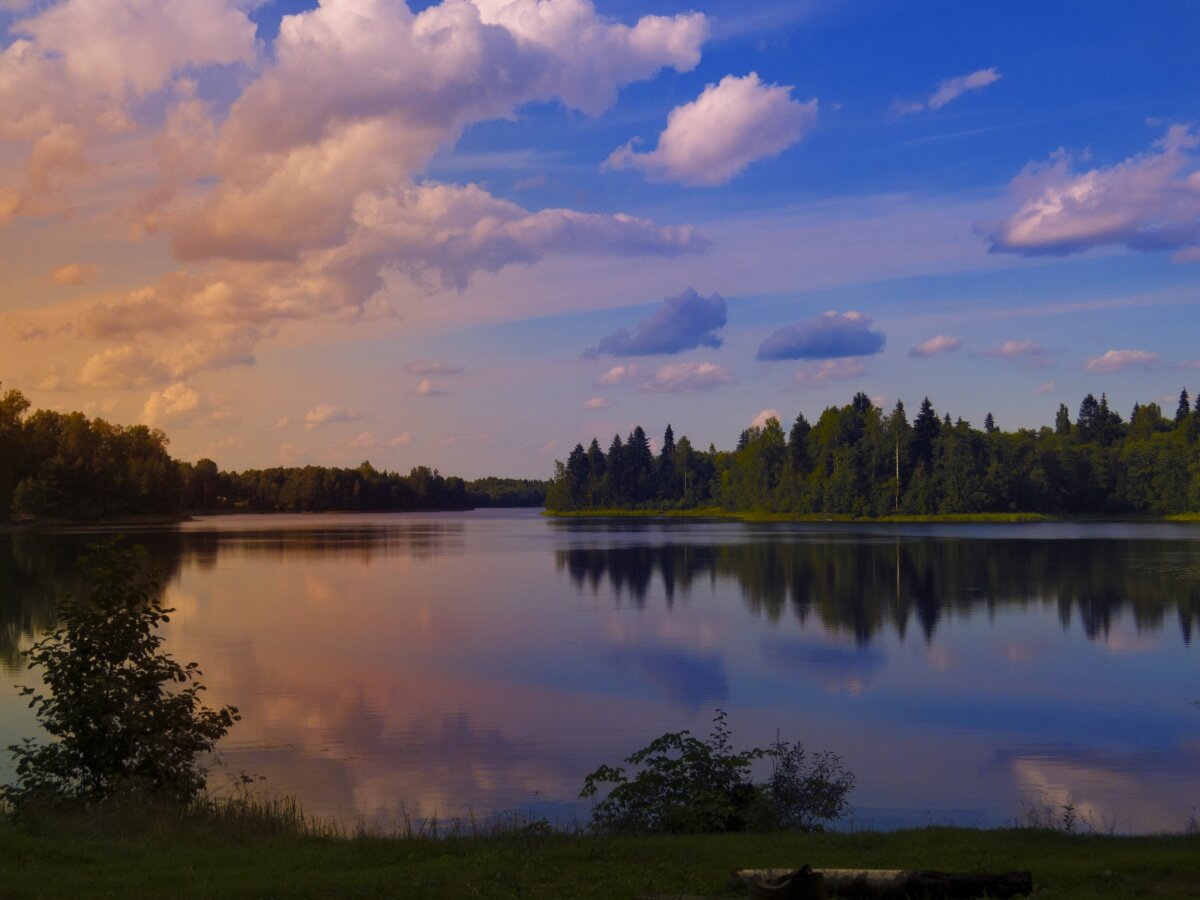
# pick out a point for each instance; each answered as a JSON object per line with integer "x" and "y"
{"x": 126, "y": 718}
{"x": 687, "y": 785}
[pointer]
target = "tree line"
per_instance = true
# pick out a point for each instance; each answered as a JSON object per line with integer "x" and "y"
{"x": 66, "y": 467}
{"x": 859, "y": 460}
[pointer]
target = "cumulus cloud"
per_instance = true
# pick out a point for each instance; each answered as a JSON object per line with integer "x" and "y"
{"x": 1032, "y": 354}
{"x": 403, "y": 439}
{"x": 829, "y": 371}
{"x": 1044, "y": 389}
{"x": 303, "y": 198}
{"x": 684, "y": 322}
{"x": 364, "y": 441}
{"x": 934, "y": 346}
{"x": 831, "y": 335}
{"x": 761, "y": 419}
{"x": 618, "y": 375}
{"x": 716, "y": 136}
{"x": 73, "y": 274}
{"x": 1150, "y": 201}
{"x": 948, "y": 90}
{"x": 178, "y": 404}
{"x": 596, "y": 403}
{"x": 1121, "y": 360}
{"x": 688, "y": 376}
{"x": 327, "y": 413}
{"x": 76, "y": 71}
{"x": 121, "y": 368}
{"x": 432, "y": 367}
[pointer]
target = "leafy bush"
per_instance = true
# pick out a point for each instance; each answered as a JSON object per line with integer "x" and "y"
{"x": 126, "y": 717}
{"x": 686, "y": 785}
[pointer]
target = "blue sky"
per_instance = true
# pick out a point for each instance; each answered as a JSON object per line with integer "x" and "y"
{"x": 290, "y": 233}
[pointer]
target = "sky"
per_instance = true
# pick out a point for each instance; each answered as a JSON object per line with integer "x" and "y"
{"x": 469, "y": 234}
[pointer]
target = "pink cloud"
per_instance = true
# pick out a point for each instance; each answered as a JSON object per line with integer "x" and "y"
{"x": 1150, "y": 201}
{"x": 934, "y": 346}
{"x": 688, "y": 376}
{"x": 1121, "y": 360}
{"x": 828, "y": 371}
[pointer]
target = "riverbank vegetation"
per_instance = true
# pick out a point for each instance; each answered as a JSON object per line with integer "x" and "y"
{"x": 858, "y": 461}
{"x": 64, "y": 467}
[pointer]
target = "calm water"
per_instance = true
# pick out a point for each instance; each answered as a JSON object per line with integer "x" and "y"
{"x": 487, "y": 661}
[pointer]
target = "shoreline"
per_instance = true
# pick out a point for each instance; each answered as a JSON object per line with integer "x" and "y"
{"x": 717, "y": 513}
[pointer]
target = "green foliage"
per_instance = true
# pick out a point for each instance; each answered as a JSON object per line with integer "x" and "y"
{"x": 126, "y": 718}
{"x": 856, "y": 461}
{"x": 685, "y": 785}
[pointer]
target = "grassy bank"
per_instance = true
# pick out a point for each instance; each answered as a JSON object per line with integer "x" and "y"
{"x": 232, "y": 859}
{"x": 713, "y": 512}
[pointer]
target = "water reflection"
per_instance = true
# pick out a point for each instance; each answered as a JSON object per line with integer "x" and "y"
{"x": 457, "y": 663}
{"x": 864, "y": 588}
{"x": 36, "y": 568}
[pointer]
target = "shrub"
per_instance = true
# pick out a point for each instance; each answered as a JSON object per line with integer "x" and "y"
{"x": 688, "y": 785}
{"x": 126, "y": 717}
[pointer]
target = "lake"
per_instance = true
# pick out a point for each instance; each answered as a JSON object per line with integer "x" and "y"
{"x": 456, "y": 663}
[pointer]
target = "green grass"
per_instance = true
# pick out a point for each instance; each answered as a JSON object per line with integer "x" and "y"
{"x": 714, "y": 512}
{"x": 253, "y": 857}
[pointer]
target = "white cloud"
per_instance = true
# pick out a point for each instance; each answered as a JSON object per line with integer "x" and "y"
{"x": 403, "y": 439}
{"x": 73, "y": 274}
{"x": 1146, "y": 202}
{"x": 716, "y": 136}
{"x": 688, "y": 376}
{"x": 828, "y": 371}
{"x": 935, "y": 345}
{"x": 948, "y": 90}
{"x": 302, "y": 198}
{"x": 1044, "y": 389}
{"x": 1121, "y": 360}
{"x": 179, "y": 404}
{"x": 327, "y": 413}
{"x": 761, "y": 419}
{"x": 364, "y": 441}
{"x": 121, "y": 368}
{"x": 120, "y": 46}
{"x": 1032, "y": 354}
{"x": 953, "y": 88}
{"x": 618, "y": 375}
{"x": 596, "y": 403}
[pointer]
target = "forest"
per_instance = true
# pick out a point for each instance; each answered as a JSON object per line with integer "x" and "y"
{"x": 65, "y": 467}
{"x": 858, "y": 460}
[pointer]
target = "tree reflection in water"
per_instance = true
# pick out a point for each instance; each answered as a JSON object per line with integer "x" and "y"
{"x": 861, "y": 588}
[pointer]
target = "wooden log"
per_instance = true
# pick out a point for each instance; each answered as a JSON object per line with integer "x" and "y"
{"x": 904, "y": 884}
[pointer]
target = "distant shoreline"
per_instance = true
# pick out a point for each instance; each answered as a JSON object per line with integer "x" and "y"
{"x": 713, "y": 512}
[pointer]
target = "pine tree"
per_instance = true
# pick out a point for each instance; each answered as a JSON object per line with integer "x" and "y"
{"x": 616, "y": 474}
{"x": 926, "y": 428}
{"x": 640, "y": 460}
{"x": 1182, "y": 412}
{"x": 667, "y": 488}
{"x": 798, "y": 445}
{"x": 989, "y": 424}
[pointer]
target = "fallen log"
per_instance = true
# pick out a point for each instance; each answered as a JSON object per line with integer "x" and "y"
{"x": 902, "y": 884}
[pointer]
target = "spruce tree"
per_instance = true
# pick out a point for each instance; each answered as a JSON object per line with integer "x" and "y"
{"x": 989, "y": 424}
{"x": 798, "y": 444}
{"x": 1184, "y": 409}
{"x": 667, "y": 489}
